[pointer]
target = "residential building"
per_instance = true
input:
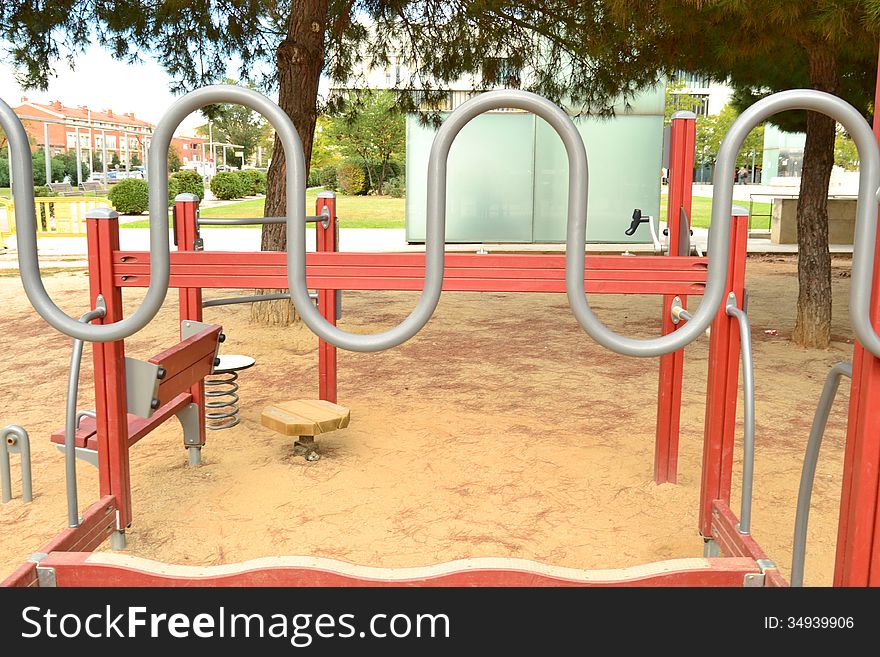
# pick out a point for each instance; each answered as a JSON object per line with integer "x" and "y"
{"x": 96, "y": 131}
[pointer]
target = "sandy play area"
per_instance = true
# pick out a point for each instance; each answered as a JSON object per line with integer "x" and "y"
{"x": 502, "y": 429}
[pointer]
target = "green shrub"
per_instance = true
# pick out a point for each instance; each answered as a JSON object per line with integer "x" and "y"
{"x": 130, "y": 196}
{"x": 395, "y": 187}
{"x": 43, "y": 190}
{"x": 327, "y": 176}
{"x": 314, "y": 178}
{"x": 253, "y": 181}
{"x": 173, "y": 190}
{"x": 189, "y": 182}
{"x": 351, "y": 178}
{"x": 228, "y": 185}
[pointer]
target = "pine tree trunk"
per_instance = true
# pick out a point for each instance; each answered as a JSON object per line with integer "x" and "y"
{"x": 300, "y": 61}
{"x": 813, "y": 324}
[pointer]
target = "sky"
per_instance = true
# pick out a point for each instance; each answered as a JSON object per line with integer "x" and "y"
{"x": 101, "y": 82}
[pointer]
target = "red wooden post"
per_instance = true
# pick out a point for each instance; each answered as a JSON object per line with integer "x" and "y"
{"x": 186, "y": 236}
{"x": 326, "y": 242}
{"x": 723, "y": 386}
{"x": 102, "y": 231}
{"x": 681, "y": 167}
{"x": 858, "y": 532}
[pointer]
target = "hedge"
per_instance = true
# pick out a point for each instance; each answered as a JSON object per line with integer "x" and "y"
{"x": 130, "y": 196}
{"x": 189, "y": 182}
{"x": 351, "y": 178}
{"x": 228, "y": 185}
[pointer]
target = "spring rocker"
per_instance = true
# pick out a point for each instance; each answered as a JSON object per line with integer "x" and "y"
{"x": 133, "y": 397}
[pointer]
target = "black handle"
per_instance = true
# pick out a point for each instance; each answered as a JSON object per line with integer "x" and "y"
{"x": 637, "y": 220}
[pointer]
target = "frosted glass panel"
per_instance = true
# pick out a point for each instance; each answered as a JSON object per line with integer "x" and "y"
{"x": 490, "y": 189}
{"x": 624, "y": 155}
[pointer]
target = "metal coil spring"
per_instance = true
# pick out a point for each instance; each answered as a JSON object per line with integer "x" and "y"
{"x": 221, "y": 393}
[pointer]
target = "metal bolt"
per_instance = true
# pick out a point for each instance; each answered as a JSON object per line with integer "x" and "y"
{"x": 154, "y": 404}
{"x": 160, "y": 373}
{"x": 221, "y": 338}
{"x": 216, "y": 362}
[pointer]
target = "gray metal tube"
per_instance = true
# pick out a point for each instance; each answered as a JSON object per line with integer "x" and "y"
{"x": 253, "y": 298}
{"x": 28, "y": 259}
{"x": 24, "y": 448}
{"x": 808, "y": 474}
{"x": 71, "y": 422}
{"x": 748, "y": 378}
{"x": 251, "y": 221}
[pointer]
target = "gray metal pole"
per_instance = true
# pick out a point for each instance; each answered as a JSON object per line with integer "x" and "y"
{"x": 808, "y": 474}
{"x": 22, "y": 445}
{"x": 47, "y": 153}
{"x": 78, "y": 158}
{"x": 91, "y": 145}
{"x": 9, "y": 169}
{"x": 71, "y": 419}
{"x": 748, "y": 383}
{"x": 104, "y": 154}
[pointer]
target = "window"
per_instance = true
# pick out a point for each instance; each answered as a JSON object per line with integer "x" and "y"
{"x": 693, "y": 80}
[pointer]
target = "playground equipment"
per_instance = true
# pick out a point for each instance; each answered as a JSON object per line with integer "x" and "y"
{"x": 15, "y": 440}
{"x": 175, "y": 379}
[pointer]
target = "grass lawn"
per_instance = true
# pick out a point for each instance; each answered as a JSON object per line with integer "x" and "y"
{"x": 353, "y": 211}
{"x": 702, "y": 211}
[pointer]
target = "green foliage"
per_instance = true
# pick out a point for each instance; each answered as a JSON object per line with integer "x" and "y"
{"x": 325, "y": 149}
{"x": 846, "y": 155}
{"x": 40, "y": 168}
{"x": 67, "y": 163}
{"x": 228, "y": 185}
{"x": 253, "y": 181}
{"x": 173, "y": 191}
{"x": 396, "y": 187}
{"x": 236, "y": 124}
{"x": 189, "y": 182}
{"x": 327, "y": 177}
{"x": 370, "y": 127}
{"x": 134, "y": 160}
{"x": 351, "y": 178}
{"x": 174, "y": 162}
{"x": 676, "y": 100}
{"x": 115, "y": 162}
{"x": 4, "y": 169}
{"x": 130, "y": 196}
{"x": 711, "y": 131}
{"x": 43, "y": 191}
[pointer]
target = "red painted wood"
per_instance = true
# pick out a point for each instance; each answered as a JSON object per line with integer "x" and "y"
{"x": 277, "y": 260}
{"x": 858, "y": 534}
{"x": 181, "y": 356}
{"x": 183, "y": 382}
{"x": 25, "y": 576}
{"x": 72, "y": 569}
{"x": 326, "y": 243}
{"x": 722, "y": 388}
{"x": 191, "y": 298}
{"x": 671, "y": 374}
{"x": 734, "y": 544}
{"x": 138, "y": 427}
{"x": 109, "y": 357}
{"x": 98, "y": 522}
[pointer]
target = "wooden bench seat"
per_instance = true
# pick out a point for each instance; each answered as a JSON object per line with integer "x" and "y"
{"x": 305, "y": 419}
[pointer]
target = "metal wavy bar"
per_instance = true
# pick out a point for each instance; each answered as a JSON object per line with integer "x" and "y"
{"x": 28, "y": 258}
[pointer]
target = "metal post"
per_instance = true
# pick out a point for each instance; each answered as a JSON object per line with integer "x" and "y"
{"x": 78, "y": 158}
{"x": 127, "y": 157}
{"x": 18, "y": 442}
{"x": 186, "y": 208}
{"x": 682, "y": 142}
{"x": 104, "y": 153}
{"x": 47, "y": 153}
{"x": 326, "y": 243}
{"x": 808, "y": 473}
{"x": 91, "y": 145}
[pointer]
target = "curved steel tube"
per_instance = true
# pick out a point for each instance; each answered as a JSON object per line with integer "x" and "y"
{"x": 71, "y": 421}
{"x": 23, "y": 446}
{"x": 28, "y": 259}
{"x": 808, "y": 474}
{"x": 748, "y": 382}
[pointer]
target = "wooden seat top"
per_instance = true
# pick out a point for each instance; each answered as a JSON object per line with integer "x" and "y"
{"x": 305, "y": 417}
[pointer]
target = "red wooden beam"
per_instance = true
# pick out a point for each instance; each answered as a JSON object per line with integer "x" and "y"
{"x": 326, "y": 243}
{"x": 83, "y": 569}
{"x": 671, "y": 371}
{"x": 734, "y": 544}
{"x": 723, "y": 388}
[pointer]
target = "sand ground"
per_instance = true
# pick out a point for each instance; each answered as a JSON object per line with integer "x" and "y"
{"x": 500, "y": 430}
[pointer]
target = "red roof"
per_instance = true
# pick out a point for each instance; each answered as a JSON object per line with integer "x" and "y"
{"x": 82, "y": 113}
